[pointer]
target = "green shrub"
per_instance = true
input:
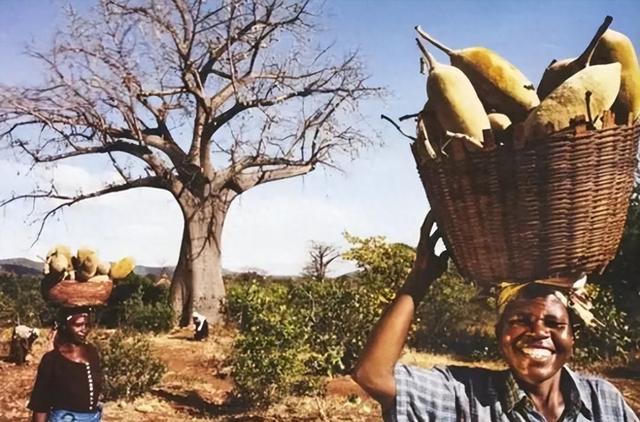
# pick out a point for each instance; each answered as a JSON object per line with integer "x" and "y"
{"x": 138, "y": 304}
{"x": 455, "y": 318}
{"x": 22, "y": 301}
{"x": 622, "y": 275}
{"x": 339, "y": 316}
{"x": 383, "y": 266}
{"x": 270, "y": 353}
{"x": 130, "y": 368}
{"x": 303, "y": 330}
{"x": 146, "y": 317}
{"x": 293, "y": 333}
{"x": 611, "y": 341}
{"x": 6, "y": 310}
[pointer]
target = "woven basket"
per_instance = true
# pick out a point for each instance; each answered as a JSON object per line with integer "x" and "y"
{"x": 71, "y": 293}
{"x": 535, "y": 209}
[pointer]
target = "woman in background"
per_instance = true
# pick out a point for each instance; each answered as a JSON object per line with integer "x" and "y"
{"x": 201, "y": 327}
{"x": 69, "y": 379}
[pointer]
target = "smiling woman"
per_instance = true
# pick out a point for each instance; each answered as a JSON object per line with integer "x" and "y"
{"x": 536, "y": 338}
{"x": 535, "y": 334}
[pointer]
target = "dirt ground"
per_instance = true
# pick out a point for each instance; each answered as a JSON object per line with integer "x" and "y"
{"x": 197, "y": 387}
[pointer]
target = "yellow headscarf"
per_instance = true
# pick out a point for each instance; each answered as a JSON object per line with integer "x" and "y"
{"x": 571, "y": 292}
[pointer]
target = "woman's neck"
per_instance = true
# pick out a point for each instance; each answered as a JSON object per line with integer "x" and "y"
{"x": 547, "y": 397}
{"x": 74, "y": 352}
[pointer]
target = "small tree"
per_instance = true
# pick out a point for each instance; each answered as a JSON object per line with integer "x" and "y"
{"x": 320, "y": 257}
{"x": 382, "y": 264}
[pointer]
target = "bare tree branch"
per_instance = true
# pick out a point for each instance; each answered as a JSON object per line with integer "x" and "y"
{"x": 69, "y": 200}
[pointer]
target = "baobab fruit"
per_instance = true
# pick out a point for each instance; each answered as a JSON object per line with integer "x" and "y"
{"x": 616, "y": 47}
{"x": 103, "y": 268}
{"x": 58, "y": 265}
{"x": 85, "y": 263}
{"x": 59, "y": 250}
{"x": 122, "y": 268}
{"x": 499, "y": 122}
{"x": 99, "y": 278}
{"x": 455, "y": 102}
{"x": 589, "y": 92}
{"x": 500, "y": 126}
{"x": 561, "y": 70}
{"x": 500, "y": 85}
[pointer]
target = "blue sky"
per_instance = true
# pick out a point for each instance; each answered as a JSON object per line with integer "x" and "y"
{"x": 271, "y": 226}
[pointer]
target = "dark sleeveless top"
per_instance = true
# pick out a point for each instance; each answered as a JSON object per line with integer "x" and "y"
{"x": 64, "y": 384}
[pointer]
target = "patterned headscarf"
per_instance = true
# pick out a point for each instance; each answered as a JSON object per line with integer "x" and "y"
{"x": 571, "y": 292}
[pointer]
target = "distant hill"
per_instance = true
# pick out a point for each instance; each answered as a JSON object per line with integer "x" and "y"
{"x": 21, "y": 267}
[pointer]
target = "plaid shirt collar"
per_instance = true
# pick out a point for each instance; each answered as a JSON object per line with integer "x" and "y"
{"x": 514, "y": 397}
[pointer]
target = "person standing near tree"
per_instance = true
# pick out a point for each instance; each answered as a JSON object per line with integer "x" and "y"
{"x": 69, "y": 379}
{"x": 535, "y": 335}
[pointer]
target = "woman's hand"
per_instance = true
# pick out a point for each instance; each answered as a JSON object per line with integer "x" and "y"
{"x": 428, "y": 266}
{"x": 374, "y": 370}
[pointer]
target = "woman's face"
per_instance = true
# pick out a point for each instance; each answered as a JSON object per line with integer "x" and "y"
{"x": 78, "y": 328}
{"x": 536, "y": 338}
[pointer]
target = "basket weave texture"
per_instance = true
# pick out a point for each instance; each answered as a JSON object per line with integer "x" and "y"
{"x": 532, "y": 210}
{"x": 71, "y": 293}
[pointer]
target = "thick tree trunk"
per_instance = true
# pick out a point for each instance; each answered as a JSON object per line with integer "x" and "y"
{"x": 181, "y": 291}
{"x": 197, "y": 282}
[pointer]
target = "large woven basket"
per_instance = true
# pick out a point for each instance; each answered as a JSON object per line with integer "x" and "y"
{"x": 71, "y": 293}
{"x": 535, "y": 209}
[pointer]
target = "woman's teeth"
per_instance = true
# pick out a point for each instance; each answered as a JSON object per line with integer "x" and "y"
{"x": 536, "y": 353}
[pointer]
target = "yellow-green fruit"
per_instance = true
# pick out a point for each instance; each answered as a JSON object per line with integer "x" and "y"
{"x": 60, "y": 250}
{"x": 99, "y": 278}
{"x": 122, "y": 268}
{"x": 499, "y": 122}
{"x": 103, "y": 268}
{"x": 58, "y": 264}
{"x": 499, "y": 84}
{"x": 63, "y": 250}
{"x": 616, "y": 47}
{"x": 500, "y": 127}
{"x": 58, "y": 260}
{"x": 454, "y": 100}
{"x": 561, "y": 70}
{"x": 598, "y": 85}
{"x": 85, "y": 264}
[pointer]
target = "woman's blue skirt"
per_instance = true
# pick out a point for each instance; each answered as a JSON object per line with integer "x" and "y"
{"x": 61, "y": 415}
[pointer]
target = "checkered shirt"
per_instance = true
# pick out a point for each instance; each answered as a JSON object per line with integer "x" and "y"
{"x": 452, "y": 393}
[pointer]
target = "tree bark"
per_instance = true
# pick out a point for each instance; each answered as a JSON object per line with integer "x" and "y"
{"x": 198, "y": 284}
{"x": 180, "y": 286}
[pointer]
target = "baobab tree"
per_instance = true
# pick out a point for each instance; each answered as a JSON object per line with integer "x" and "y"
{"x": 204, "y": 99}
{"x": 320, "y": 257}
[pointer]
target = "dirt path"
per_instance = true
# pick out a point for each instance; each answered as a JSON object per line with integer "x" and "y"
{"x": 196, "y": 387}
